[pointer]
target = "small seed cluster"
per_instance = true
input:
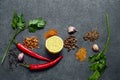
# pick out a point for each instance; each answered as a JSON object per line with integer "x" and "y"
{"x": 91, "y": 36}
{"x": 31, "y": 42}
{"x": 70, "y": 43}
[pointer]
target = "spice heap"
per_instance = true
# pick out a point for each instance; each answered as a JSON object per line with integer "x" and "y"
{"x": 70, "y": 43}
{"x": 51, "y": 32}
{"x": 81, "y": 54}
{"x": 91, "y": 36}
{"x": 31, "y": 42}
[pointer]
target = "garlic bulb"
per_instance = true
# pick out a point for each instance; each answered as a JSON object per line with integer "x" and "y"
{"x": 21, "y": 56}
{"x": 95, "y": 47}
{"x": 71, "y": 29}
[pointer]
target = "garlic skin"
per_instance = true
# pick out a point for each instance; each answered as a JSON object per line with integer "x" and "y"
{"x": 21, "y": 56}
{"x": 95, "y": 47}
{"x": 71, "y": 29}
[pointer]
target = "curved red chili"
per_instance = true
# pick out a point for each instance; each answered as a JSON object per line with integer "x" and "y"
{"x": 31, "y": 53}
{"x": 43, "y": 66}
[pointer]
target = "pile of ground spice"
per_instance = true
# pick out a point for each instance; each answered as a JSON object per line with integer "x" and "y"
{"x": 91, "y": 35}
{"x": 70, "y": 43}
{"x": 81, "y": 54}
{"x": 31, "y": 42}
{"x": 51, "y": 32}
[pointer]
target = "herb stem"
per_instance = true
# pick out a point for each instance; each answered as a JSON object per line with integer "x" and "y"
{"x": 9, "y": 45}
{"x": 108, "y": 38}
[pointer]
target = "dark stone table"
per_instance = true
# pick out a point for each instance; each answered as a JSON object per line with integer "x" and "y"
{"x": 59, "y": 14}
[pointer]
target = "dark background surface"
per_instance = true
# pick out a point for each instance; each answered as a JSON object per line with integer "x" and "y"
{"x": 59, "y": 14}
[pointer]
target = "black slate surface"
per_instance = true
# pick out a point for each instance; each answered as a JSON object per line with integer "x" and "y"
{"x": 59, "y": 14}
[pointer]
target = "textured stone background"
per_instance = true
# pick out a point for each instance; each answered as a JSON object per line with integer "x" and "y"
{"x": 84, "y": 14}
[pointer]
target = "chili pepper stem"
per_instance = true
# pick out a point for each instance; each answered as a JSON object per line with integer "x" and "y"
{"x": 15, "y": 42}
{"x": 25, "y": 65}
{"x": 9, "y": 45}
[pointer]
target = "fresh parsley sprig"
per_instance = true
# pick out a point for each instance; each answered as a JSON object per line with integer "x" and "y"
{"x": 19, "y": 25}
{"x": 98, "y": 61}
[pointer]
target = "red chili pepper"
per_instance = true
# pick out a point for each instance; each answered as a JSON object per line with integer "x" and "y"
{"x": 31, "y": 53}
{"x": 43, "y": 66}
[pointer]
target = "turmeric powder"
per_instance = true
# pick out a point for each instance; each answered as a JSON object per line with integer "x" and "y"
{"x": 50, "y": 33}
{"x": 81, "y": 54}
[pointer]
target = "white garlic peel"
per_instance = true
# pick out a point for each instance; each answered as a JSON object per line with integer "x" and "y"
{"x": 95, "y": 47}
{"x": 71, "y": 29}
{"x": 21, "y": 56}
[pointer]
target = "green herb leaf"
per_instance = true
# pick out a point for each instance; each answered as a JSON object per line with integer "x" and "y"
{"x": 92, "y": 59}
{"x": 36, "y": 24}
{"x": 14, "y": 20}
{"x": 32, "y": 29}
{"x": 95, "y": 57}
{"x": 95, "y": 76}
{"x": 18, "y": 21}
{"x": 99, "y": 65}
{"x": 94, "y": 66}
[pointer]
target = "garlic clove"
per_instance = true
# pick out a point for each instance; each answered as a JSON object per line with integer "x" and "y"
{"x": 95, "y": 48}
{"x": 71, "y": 29}
{"x": 21, "y": 56}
